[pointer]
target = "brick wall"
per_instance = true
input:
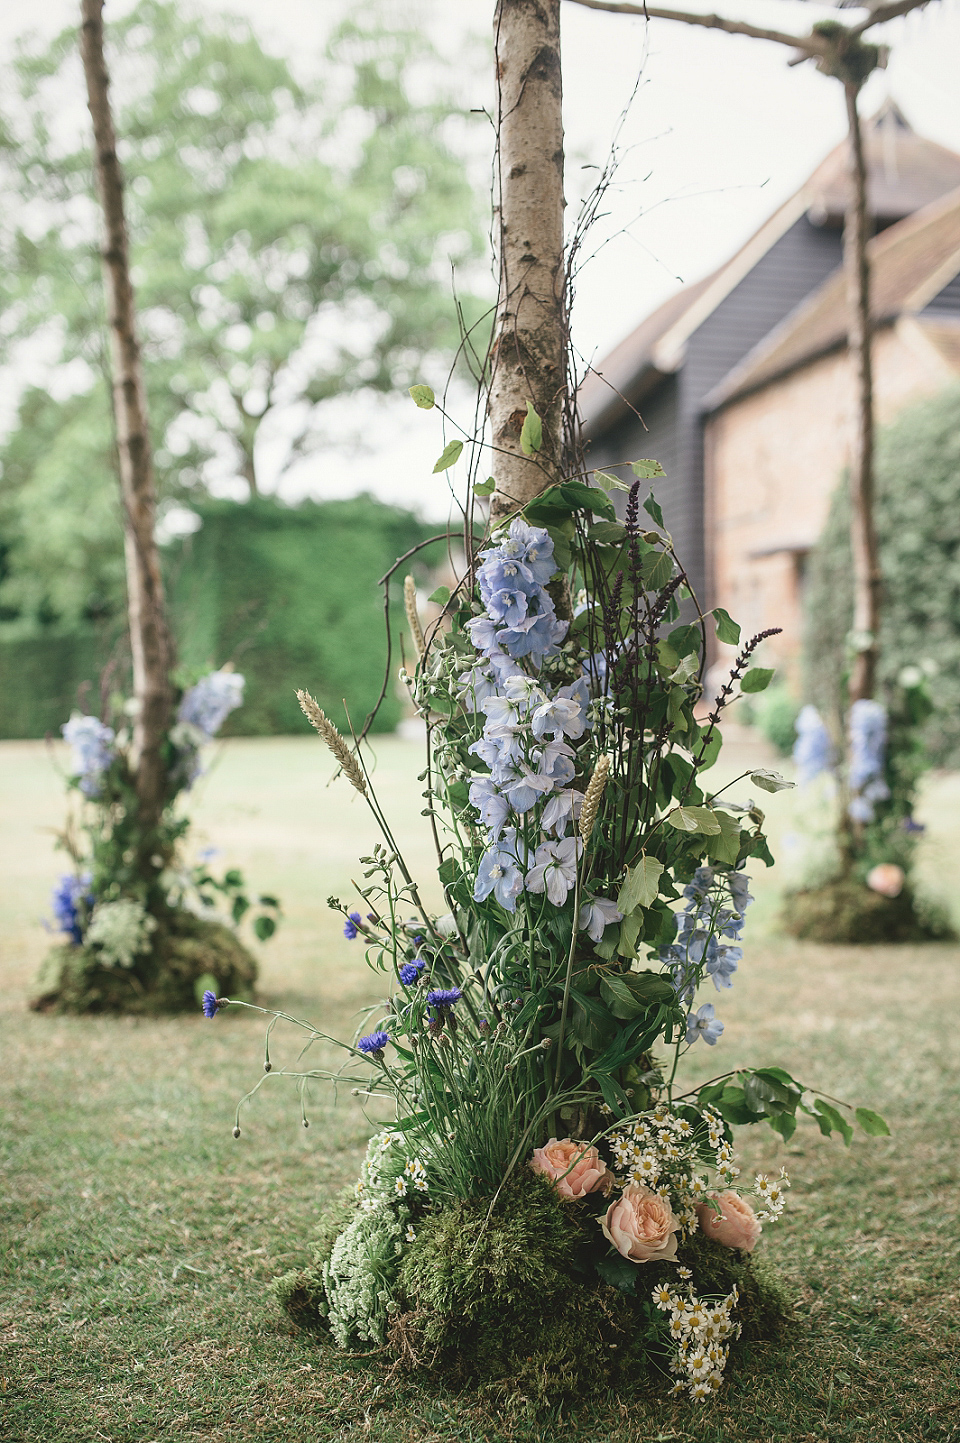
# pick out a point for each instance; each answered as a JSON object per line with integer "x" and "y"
{"x": 773, "y": 460}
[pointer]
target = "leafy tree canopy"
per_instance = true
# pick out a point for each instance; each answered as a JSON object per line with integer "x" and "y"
{"x": 292, "y": 242}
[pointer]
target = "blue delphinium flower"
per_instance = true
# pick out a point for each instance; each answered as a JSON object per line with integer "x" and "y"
{"x": 702, "y": 1023}
{"x": 410, "y": 971}
{"x": 868, "y": 746}
{"x": 68, "y": 894}
{"x": 373, "y": 1045}
{"x": 208, "y": 704}
{"x": 813, "y": 749}
{"x": 92, "y": 747}
{"x": 499, "y": 873}
{"x": 351, "y": 925}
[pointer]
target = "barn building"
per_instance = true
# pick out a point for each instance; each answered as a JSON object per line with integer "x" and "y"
{"x": 740, "y": 386}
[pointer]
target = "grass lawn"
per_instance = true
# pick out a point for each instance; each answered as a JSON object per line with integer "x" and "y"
{"x": 139, "y": 1237}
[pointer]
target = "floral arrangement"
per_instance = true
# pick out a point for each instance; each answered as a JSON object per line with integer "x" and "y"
{"x": 530, "y": 1041}
{"x": 873, "y": 759}
{"x": 130, "y": 901}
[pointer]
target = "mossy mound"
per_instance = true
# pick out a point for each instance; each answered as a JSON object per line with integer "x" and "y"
{"x": 186, "y": 950}
{"x": 509, "y": 1301}
{"x": 845, "y": 910}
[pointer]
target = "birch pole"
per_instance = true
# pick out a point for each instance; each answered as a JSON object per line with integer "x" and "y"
{"x": 528, "y": 355}
{"x": 150, "y": 640}
{"x": 867, "y": 575}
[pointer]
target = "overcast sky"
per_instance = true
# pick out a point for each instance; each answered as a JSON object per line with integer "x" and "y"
{"x": 721, "y": 131}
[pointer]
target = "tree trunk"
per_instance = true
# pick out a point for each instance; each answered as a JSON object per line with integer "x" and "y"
{"x": 867, "y": 576}
{"x": 150, "y": 641}
{"x": 528, "y": 356}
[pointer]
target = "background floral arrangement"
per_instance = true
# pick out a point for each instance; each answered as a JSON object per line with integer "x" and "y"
{"x": 545, "y": 1180}
{"x": 140, "y": 926}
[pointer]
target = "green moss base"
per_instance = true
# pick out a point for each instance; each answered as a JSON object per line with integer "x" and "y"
{"x": 186, "y": 950}
{"x": 844, "y": 910}
{"x": 510, "y": 1301}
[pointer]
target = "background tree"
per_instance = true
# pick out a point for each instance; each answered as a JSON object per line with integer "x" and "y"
{"x": 291, "y": 242}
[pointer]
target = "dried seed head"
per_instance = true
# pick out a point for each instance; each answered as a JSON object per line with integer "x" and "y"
{"x": 328, "y": 733}
{"x": 593, "y": 797}
{"x": 410, "y": 606}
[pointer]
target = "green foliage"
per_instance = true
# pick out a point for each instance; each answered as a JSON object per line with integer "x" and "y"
{"x": 775, "y": 714}
{"x": 183, "y": 950}
{"x": 918, "y": 527}
{"x": 290, "y": 593}
{"x": 43, "y": 677}
{"x": 257, "y": 205}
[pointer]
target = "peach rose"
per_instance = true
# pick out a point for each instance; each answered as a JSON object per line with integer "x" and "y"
{"x": 887, "y": 879}
{"x": 735, "y": 1226}
{"x": 588, "y": 1173}
{"x": 641, "y": 1225}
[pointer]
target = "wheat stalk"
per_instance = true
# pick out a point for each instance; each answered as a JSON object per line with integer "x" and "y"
{"x": 410, "y": 606}
{"x": 593, "y": 797}
{"x": 328, "y": 732}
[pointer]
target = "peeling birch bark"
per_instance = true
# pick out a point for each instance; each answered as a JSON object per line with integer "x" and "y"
{"x": 528, "y": 355}
{"x": 150, "y": 640}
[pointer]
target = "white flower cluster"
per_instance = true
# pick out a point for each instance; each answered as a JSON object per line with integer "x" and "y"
{"x": 771, "y": 1194}
{"x": 379, "y": 1182}
{"x": 120, "y": 930}
{"x": 358, "y": 1278}
{"x": 661, "y": 1150}
{"x": 702, "y": 1333}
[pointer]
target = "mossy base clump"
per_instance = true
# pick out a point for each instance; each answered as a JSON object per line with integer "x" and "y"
{"x": 185, "y": 950}
{"x": 509, "y": 1300}
{"x": 845, "y": 910}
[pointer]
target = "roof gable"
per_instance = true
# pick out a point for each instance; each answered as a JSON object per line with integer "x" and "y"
{"x": 910, "y": 264}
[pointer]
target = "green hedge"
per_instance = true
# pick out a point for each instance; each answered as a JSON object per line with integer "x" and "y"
{"x": 918, "y": 529}
{"x": 41, "y": 680}
{"x": 289, "y": 594}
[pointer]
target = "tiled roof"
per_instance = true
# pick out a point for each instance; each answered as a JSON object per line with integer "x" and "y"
{"x": 909, "y": 264}
{"x": 905, "y": 172}
{"x": 619, "y": 376}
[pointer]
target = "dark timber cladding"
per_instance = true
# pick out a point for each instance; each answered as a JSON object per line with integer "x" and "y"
{"x": 671, "y": 426}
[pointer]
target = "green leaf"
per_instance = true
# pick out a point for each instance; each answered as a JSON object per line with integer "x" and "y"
{"x": 652, "y": 508}
{"x": 629, "y": 932}
{"x": 609, "y": 532}
{"x": 555, "y": 505}
{"x": 727, "y": 630}
{"x": 695, "y": 819}
{"x": 618, "y": 1272}
{"x": 711, "y": 750}
{"x": 450, "y": 454}
{"x": 640, "y": 886}
{"x": 687, "y": 669}
{"x": 829, "y": 1120}
{"x": 770, "y": 781}
{"x": 424, "y": 397}
{"x": 441, "y": 596}
{"x": 685, "y": 639}
{"x": 725, "y": 847}
{"x": 872, "y": 1123}
{"x": 785, "y": 1123}
{"x": 531, "y": 433}
{"x": 609, "y": 483}
{"x": 448, "y": 871}
{"x": 648, "y": 470}
{"x": 267, "y": 901}
{"x": 656, "y": 570}
{"x": 485, "y": 488}
{"x": 264, "y": 927}
{"x": 758, "y": 678}
{"x": 764, "y": 1095}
